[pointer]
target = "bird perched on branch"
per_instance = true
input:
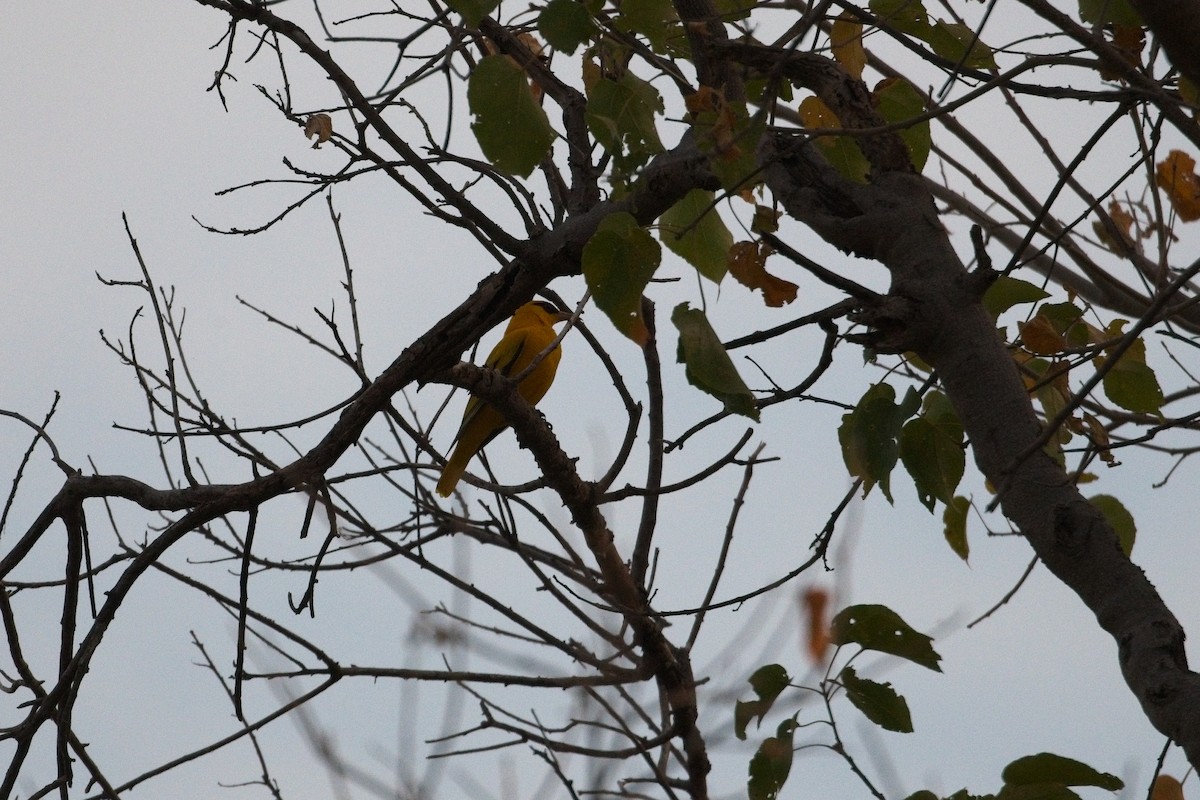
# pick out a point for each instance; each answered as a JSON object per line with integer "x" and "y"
{"x": 529, "y": 333}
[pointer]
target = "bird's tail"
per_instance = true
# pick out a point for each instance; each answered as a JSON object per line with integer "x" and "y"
{"x": 453, "y": 472}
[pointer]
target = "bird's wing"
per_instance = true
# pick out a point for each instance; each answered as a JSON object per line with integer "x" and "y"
{"x": 503, "y": 358}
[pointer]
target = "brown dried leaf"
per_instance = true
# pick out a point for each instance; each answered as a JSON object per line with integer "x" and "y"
{"x": 747, "y": 264}
{"x": 1099, "y": 436}
{"x": 1129, "y": 40}
{"x": 321, "y": 126}
{"x": 766, "y": 219}
{"x": 1125, "y": 222}
{"x": 1040, "y": 336}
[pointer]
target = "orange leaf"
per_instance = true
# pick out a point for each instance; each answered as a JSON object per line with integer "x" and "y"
{"x": 706, "y": 99}
{"x": 747, "y": 264}
{"x": 815, "y": 602}
{"x": 846, "y": 40}
{"x": 1177, "y": 177}
{"x": 1166, "y": 788}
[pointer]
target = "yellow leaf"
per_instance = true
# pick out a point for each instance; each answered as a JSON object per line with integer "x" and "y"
{"x": 747, "y": 264}
{"x": 841, "y": 151}
{"x": 592, "y": 73}
{"x": 815, "y": 114}
{"x": 319, "y": 125}
{"x": 846, "y": 40}
{"x": 1177, "y": 177}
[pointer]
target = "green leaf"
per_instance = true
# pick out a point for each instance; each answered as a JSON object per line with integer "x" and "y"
{"x": 1065, "y": 319}
{"x": 923, "y": 794}
{"x": 1037, "y": 791}
{"x": 950, "y": 41}
{"x": 954, "y": 518}
{"x": 763, "y": 90}
{"x": 618, "y": 261}
{"x": 898, "y": 102}
{"x": 1131, "y": 383}
{"x": 1106, "y": 12}
{"x": 565, "y": 24}
{"x": 1053, "y": 392}
{"x": 933, "y": 452}
{"x": 1119, "y": 518}
{"x": 842, "y": 152}
{"x": 1006, "y": 292}
{"x": 868, "y": 436}
{"x": 906, "y": 16}
{"x": 770, "y": 766}
{"x": 654, "y": 19}
{"x": 473, "y": 11}
{"x": 846, "y": 157}
{"x": 620, "y": 114}
{"x": 511, "y": 128}
{"x": 1051, "y": 768}
{"x": 709, "y": 367}
{"x": 876, "y": 627}
{"x": 877, "y": 701}
{"x": 733, "y": 10}
{"x": 768, "y": 682}
{"x": 694, "y": 231}
{"x": 1063, "y": 316}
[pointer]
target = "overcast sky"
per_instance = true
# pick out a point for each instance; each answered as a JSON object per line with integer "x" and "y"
{"x": 107, "y": 114}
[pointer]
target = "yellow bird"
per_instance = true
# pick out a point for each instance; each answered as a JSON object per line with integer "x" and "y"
{"x": 529, "y": 332}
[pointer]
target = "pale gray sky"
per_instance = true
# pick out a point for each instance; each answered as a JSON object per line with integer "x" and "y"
{"x": 106, "y": 113}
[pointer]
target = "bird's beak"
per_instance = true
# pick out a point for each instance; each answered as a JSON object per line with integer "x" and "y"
{"x": 561, "y": 316}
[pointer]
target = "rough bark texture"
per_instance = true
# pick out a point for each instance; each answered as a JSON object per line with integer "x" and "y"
{"x": 933, "y": 309}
